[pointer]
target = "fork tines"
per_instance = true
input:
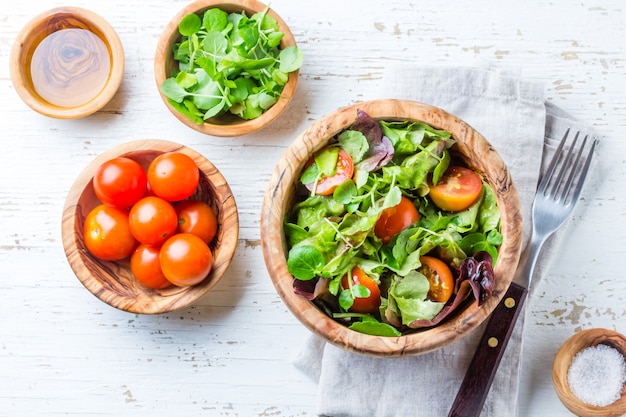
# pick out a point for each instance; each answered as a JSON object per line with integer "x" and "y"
{"x": 571, "y": 163}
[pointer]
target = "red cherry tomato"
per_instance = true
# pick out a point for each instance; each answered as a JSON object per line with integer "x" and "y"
{"x": 326, "y": 185}
{"x": 152, "y": 220}
{"x": 363, "y": 305}
{"x": 185, "y": 259}
{"x": 120, "y": 182}
{"x": 146, "y": 267}
{"x": 440, "y": 278}
{"x": 457, "y": 189}
{"x": 107, "y": 233}
{"x": 395, "y": 219}
{"x": 196, "y": 217}
{"x": 173, "y": 176}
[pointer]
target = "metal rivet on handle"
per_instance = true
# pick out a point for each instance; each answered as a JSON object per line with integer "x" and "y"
{"x": 509, "y": 302}
{"x": 492, "y": 342}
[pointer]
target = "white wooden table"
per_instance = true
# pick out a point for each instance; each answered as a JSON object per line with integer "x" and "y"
{"x": 64, "y": 352}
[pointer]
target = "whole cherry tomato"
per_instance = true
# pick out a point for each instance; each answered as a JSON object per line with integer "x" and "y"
{"x": 107, "y": 235}
{"x": 395, "y": 219}
{"x": 458, "y": 188}
{"x": 120, "y": 182}
{"x": 369, "y": 304}
{"x": 196, "y": 217}
{"x": 185, "y": 259}
{"x": 146, "y": 267}
{"x": 173, "y": 176}
{"x": 152, "y": 220}
{"x": 344, "y": 170}
{"x": 440, "y": 278}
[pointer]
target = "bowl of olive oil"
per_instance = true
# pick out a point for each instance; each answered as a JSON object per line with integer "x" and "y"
{"x": 67, "y": 63}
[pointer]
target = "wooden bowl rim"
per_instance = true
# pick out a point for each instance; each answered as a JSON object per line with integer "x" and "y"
{"x": 24, "y": 43}
{"x": 237, "y": 127}
{"x": 563, "y": 360}
{"x": 148, "y": 301}
{"x": 272, "y": 233}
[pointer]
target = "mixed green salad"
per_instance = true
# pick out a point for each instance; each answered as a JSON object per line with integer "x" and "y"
{"x": 229, "y": 62}
{"x": 389, "y": 231}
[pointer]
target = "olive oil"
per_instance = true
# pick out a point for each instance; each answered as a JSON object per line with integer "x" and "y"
{"x": 70, "y": 67}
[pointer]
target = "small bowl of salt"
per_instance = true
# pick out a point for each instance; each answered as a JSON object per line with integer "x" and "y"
{"x": 589, "y": 373}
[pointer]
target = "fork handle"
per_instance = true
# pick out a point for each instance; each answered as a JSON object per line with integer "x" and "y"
{"x": 484, "y": 364}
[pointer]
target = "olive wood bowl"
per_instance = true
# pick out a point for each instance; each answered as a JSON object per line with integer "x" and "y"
{"x": 278, "y": 200}
{"x": 31, "y": 36}
{"x": 112, "y": 282}
{"x": 226, "y": 125}
{"x": 563, "y": 360}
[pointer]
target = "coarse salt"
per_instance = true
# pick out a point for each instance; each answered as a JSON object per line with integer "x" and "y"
{"x": 597, "y": 375}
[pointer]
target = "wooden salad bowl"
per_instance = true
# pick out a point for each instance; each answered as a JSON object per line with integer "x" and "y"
{"x": 226, "y": 125}
{"x": 477, "y": 153}
{"x": 112, "y": 282}
{"x": 33, "y": 34}
{"x": 563, "y": 360}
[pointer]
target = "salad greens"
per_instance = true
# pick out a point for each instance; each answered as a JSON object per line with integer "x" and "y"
{"x": 229, "y": 63}
{"x": 329, "y": 235}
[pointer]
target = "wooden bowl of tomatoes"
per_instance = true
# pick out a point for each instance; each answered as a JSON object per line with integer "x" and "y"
{"x": 391, "y": 228}
{"x": 257, "y": 70}
{"x": 150, "y": 226}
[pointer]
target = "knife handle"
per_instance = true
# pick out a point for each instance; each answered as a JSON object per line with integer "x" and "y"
{"x": 482, "y": 369}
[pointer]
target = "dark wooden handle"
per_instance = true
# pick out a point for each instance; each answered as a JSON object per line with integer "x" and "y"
{"x": 482, "y": 369}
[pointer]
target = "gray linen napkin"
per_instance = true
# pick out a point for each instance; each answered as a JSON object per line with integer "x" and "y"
{"x": 512, "y": 114}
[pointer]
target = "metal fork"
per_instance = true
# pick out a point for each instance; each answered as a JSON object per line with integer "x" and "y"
{"x": 554, "y": 201}
{"x": 556, "y": 196}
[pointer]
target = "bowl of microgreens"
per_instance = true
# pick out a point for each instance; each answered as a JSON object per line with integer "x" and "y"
{"x": 227, "y": 68}
{"x": 391, "y": 228}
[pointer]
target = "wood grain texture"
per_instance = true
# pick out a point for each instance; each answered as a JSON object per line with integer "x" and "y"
{"x": 41, "y": 26}
{"x": 476, "y": 152}
{"x": 225, "y": 125}
{"x": 112, "y": 282}
{"x": 563, "y": 359}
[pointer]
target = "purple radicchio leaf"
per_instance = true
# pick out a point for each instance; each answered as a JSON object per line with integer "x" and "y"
{"x": 317, "y": 291}
{"x": 477, "y": 276}
{"x": 378, "y": 155}
{"x": 305, "y": 289}
{"x": 478, "y": 271}
{"x": 381, "y": 149}
{"x": 368, "y": 126}
{"x": 310, "y": 289}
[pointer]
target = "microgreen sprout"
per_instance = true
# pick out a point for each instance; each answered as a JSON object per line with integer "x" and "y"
{"x": 229, "y": 63}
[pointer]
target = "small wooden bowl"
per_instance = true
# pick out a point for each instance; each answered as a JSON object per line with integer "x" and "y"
{"x": 226, "y": 125}
{"x": 112, "y": 282}
{"x": 56, "y": 79}
{"x": 563, "y": 360}
{"x": 279, "y": 198}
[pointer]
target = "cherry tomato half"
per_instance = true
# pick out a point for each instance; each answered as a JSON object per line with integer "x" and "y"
{"x": 107, "y": 233}
{"x": 152, "y": 220}
{"x": 120, "y": 182}
{"x": 440, "y": 278}
{"x": 173, "y": 176}
{"x": 146, "y": 267}
{"x": 395, "y": 219}
{"x": 326, "y": 185}
{"x": 363, "y": 305}
{"x": 196, "y": 217}
{"x": 185, "y": 259}
{"x": 458, "y": 188}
